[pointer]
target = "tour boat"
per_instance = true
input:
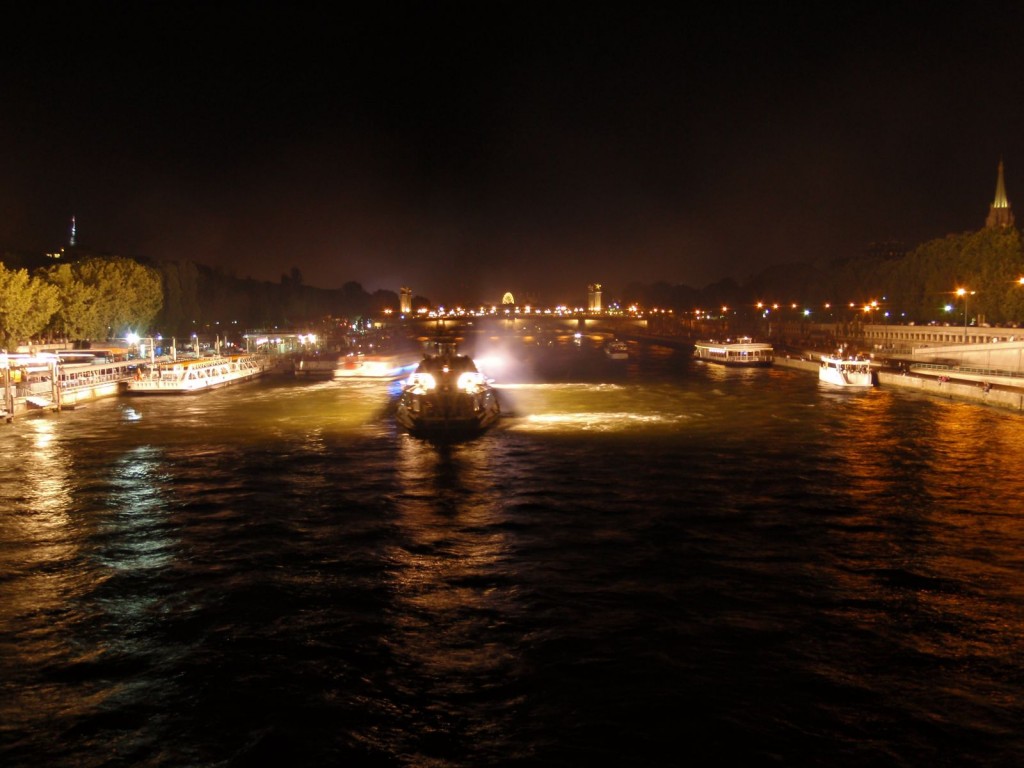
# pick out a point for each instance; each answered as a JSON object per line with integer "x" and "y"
{"x": 354, "y": 365}
{"x": 447, "y": 397}
{"x": 742, "y": 351}
{"x": 195, "y": 375}
{"x": 317, "y": 365}
{"x": 616, "y": 350}
{"x": 840, "y": 371}
{"x": 374, "y": 366}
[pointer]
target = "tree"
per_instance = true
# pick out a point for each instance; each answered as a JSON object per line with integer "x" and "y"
{"x": 998, "y": 263}
{"x": 76, "y": 313}
{"x": 988, "y": 262}
{"x": 181, "y": 296}
{"x": 355, "y": 302}
{"x": 127, "y": 296}
{"x": 384, "y": 299}
{"x": 26, "y": 305}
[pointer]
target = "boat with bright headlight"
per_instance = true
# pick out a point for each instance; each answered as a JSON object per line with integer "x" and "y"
{"x": 447, "y": 396}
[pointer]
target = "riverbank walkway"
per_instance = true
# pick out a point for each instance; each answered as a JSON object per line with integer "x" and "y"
{"x": 1001, "y": 389}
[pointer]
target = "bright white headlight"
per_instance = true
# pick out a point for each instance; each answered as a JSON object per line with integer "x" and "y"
{"x": 470, "y": 381}
{"x": 422, "y": 381}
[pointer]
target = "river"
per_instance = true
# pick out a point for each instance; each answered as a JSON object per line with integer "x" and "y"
{"x": 651, "y": 562}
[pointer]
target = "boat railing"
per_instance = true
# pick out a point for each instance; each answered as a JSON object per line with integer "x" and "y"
{"x": 74, "y": 378}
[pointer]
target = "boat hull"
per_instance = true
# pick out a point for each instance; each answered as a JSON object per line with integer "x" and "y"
{"x": 739, "y": 363}
{"x": 448, "y": 415}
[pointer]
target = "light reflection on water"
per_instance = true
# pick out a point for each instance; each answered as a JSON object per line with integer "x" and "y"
{"x": 181, "y": 576}
{"x": 447, "y": 565}
{"x": 589, "y": 407}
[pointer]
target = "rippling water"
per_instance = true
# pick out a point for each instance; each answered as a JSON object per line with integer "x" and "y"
{"x": 650, "y": 563}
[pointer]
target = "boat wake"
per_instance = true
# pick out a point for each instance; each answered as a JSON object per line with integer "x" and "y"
{"x": 595, "y": 421}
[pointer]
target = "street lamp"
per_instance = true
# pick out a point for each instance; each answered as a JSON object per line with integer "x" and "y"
{"x": 964, "y": 293}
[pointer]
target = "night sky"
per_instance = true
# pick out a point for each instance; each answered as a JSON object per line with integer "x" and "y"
{"x": 468, "y": 149}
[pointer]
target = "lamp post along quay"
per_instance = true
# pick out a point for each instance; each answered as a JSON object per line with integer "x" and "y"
{"x": 964, "y": 293}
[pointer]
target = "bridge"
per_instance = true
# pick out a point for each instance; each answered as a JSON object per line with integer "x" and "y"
{"x": 528, "y": 322}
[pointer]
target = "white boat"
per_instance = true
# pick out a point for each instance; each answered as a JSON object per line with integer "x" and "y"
{"x": 447, "y": 397}
{"x": 354, "y": 365}
{"x": 742, "y": 351}
{"x": 372, "y": 356}
{"x": 846, "y": 371}
{"x": 375, "y": 366}
{"x": 195, "y": 375}
{"x": 317, "y": 365}
{"x": 616, "y": 350}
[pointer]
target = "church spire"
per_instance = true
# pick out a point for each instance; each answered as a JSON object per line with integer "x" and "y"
{"x": 999, "y": 213}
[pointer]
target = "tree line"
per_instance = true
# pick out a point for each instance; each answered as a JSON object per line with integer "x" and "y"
{"x": 89, "y": 297}
{"x": 915, "y": 286}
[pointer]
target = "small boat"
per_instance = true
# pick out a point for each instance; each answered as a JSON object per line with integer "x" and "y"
{"x": 742, "y": 351}
{"x": 616, "y": 350}
{"x": 354, "y": 365}
{"x": 317, "y": 365}
{"x": 447, "y": 397}
{"x": 195, "y": 375}
{"x": 374, "y": 366}
{"x": 846, "y": 371}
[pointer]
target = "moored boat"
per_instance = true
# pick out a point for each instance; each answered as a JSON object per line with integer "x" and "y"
{"x": 846, "y": 371}
{"x": 742, "y": 351}
{"x": 195, "y": 375}
{"x": 447, "y": 397}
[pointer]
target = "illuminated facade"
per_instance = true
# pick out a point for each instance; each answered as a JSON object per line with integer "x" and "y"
{"x": 405, "y": 301}
{"x": 594, "y": 297}
{"x": 999, "y": 213}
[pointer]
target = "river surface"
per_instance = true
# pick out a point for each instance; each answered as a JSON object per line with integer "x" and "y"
{"x": 652, "y": 562}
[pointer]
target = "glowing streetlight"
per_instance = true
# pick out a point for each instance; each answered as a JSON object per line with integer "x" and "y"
{"x": 964, "y": 293}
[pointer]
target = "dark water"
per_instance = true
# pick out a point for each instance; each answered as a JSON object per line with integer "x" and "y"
{"x": 648, "y": 563}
